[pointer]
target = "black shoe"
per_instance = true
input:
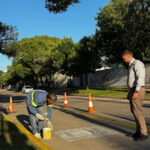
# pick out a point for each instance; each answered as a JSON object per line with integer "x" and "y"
{"x": 136, "y": 135}
{"x": 142, "y": 137}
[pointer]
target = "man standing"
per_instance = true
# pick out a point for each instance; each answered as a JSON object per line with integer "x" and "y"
{"x": 136, "y": 83}
{"x": 35, "y": 101}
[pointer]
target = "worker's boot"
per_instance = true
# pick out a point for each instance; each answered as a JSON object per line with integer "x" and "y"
{"x": 37, "y": 135}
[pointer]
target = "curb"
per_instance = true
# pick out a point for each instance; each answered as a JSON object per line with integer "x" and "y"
{"x": 108, "y": 99}
{"x": 36, "y": 141}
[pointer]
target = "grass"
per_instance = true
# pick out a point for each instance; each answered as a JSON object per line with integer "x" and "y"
{"x": 106, "y": 92}
{"x": 12, "y": 139}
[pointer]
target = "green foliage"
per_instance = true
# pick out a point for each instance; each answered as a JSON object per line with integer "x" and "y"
{"x": 2, "y": 76}
{"x": 138, "y": 29}
{"x": 87, "y": 58}
{"x": 16, "y": 73}
{"x": 58, "y": 6}
{"x": 64, "y": 56}
{"x": 104, "y": 92}
{"x": 42, "y": 56}
{"x": 124, "y": 24}
{"x": 33, "y": 59}
{"x": 8, "y": 35}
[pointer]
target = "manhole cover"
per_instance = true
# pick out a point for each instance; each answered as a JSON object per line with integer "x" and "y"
{"x": 84, "y": 133}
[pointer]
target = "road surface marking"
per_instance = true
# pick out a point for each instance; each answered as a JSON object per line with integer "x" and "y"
{"x": 84, "y": 133}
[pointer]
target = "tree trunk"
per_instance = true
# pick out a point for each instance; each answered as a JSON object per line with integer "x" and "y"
{"x": 81, "y": 81}
{"x": 36, "y": 81}
{"x": 86, "y": 80}
{"x": 41, "y": 82}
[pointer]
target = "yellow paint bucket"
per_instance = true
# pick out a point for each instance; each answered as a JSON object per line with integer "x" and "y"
{"x": 46, "y": 133}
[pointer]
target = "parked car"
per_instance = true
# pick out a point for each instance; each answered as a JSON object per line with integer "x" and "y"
{"x": 27, "y": 88}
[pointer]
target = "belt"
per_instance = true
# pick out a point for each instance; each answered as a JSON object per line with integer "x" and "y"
{"x": 135, "y": 87}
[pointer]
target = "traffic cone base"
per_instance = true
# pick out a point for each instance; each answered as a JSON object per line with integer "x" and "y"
{"x": 91, "y": 109}
{"x": 65, "y": 100}
{"x": 65, "y": 103}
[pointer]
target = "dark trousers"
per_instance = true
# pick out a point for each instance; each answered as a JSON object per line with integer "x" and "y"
{"x": 136, "y": 109}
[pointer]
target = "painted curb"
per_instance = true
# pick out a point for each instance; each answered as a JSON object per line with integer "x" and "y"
{"x": 36, "y": 141}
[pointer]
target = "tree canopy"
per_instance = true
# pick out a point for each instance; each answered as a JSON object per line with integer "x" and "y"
{"x": 32, "y": 56}
{"x": 8, "y": 35}
{"x": 121, "y": 24}
{"x": 64, "y": 56}
{"x": 124, "y": 24}
{"x": 58, "y": 6}
{"x": 2, "y": 78}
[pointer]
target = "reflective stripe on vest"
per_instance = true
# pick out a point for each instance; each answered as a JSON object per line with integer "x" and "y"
{"x": 50, "y": 105}
{"x": 35, "y": 105}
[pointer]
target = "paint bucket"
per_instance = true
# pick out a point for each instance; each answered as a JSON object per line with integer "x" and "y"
{"x": 46, "y": 133}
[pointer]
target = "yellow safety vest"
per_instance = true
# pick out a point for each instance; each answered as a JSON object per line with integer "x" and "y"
{"x": 50, "y": 105}
{"x": 33, "y": 103}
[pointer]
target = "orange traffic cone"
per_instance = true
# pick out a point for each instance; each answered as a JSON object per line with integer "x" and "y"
{"x": 91, "y": 109}
{"x": 10, "y": 107}
{"x": 65, "y": 100}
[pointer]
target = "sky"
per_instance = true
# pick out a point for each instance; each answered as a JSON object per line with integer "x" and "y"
{"x": 32, "y": 18}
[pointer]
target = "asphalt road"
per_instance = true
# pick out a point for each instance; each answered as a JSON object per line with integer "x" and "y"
{"x": 108, "y": 128}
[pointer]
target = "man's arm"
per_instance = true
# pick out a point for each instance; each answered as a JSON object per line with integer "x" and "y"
{"x": 49, "y": 112}
{"x": 139, "y": 69}
{"x": 140, "y": 75}
{"x": 49, "y": 116}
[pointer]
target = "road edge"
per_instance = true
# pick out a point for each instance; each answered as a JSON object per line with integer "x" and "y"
{"x": 36, "y": 141}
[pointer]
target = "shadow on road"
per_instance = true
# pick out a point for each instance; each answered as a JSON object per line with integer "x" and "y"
{"x": 98, "y": 122}
{"x": 11, "y": 138}
{"x": 24, "y": 120}
{"x": 16, "y": 99}
{"x": 4, "y": 110}
{"x": 122, "y": 117}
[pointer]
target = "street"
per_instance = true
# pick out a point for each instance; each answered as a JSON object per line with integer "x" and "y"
{"x": 108, "y": 128}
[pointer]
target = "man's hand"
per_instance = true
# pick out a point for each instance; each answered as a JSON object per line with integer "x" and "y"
{"x": 39, "y": 116}
{"x": 49, "y": 125}
{"x": 135, "y": 95}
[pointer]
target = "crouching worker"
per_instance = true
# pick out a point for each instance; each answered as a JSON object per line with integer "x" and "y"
{"x": 35, "y": 102}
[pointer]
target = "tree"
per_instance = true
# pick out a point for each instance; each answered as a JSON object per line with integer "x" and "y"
{"x": 111, "y": 29}
{"x": 58, "y": 6}
{"x": 1, "y": 78}
{"x": 124, "y": 24}
{"x": 8, "y": 35}
{"x": 137, "y": 28}
{"x": 87, "y": 59}
{"x": 64, "y": 55}
{"x": 33, "y": 59}
{"x": 16, "y": 73}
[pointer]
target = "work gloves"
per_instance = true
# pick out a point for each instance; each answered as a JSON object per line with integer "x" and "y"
{"x": 49, "y": 124}
{"x": 39, "y": 116}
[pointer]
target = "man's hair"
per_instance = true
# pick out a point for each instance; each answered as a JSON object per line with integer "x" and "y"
{"x": 127, "y": 52}
{"x": 51, "y": 96}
